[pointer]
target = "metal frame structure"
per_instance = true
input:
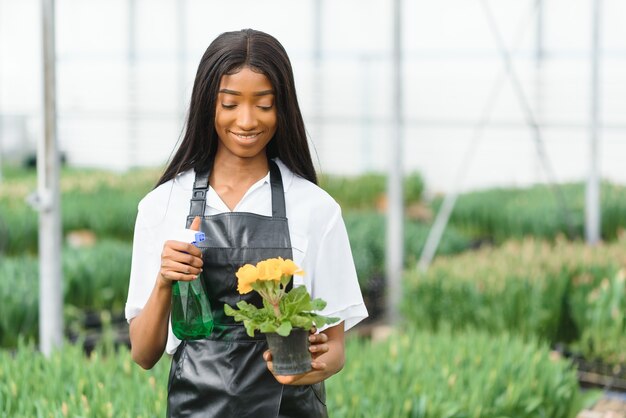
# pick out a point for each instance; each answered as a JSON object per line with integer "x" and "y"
{"x": 48, "y": 200}
{"x": 48, "y": 197}
{"x": 592, "y": 224}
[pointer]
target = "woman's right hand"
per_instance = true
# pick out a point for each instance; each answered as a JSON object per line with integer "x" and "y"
{"x": 180, "y": 260}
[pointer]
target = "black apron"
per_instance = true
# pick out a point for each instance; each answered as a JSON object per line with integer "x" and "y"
{"x": 225, "y": 375}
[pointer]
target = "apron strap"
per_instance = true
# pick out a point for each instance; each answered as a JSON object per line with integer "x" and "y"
{"x": 278, "y": 195}
{"x": 198, "y": 197}
{"x": 201, "y": 185}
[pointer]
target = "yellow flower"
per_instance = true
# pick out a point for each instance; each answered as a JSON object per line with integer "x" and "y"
{"x": 246, "y": 275}
{"x": 269, "y": 269}
{"x": 290, "y": 268}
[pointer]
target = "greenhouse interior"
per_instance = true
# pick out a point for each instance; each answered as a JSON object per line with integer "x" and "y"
{"x": 472, "y": 154}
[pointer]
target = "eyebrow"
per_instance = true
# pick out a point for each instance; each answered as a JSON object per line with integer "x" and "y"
{"x": 238, "y": 93}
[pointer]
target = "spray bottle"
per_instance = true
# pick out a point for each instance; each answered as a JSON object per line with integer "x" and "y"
{"x": 191, "y": 312}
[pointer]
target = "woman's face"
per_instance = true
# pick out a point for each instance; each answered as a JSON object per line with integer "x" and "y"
{"x": 245, "y": 114}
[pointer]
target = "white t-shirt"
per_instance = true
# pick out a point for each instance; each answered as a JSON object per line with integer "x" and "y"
{"x": 316, "y": 228}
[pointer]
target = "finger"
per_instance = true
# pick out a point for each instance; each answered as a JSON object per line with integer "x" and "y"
{"x": 180, "y": 267}
{"x": 179, "y": 247}
{"x": 318, "y": 365}
{"x": 313, "y": 329}
{"x": 287, "y": 379}
{"x": 267, "y": 355}
{"x": 318, "y": 338}
{"x": 195, "y": 225}
{"x": 319, "y": 348}
{"x": 181, "y": 257}
{"x": 173, "y": 276}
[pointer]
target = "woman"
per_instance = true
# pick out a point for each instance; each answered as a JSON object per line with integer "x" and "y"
{"x": 245, "y": 170}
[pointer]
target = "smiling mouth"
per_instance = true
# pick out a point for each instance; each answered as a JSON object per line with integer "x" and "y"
{"x": 246, "y": 135}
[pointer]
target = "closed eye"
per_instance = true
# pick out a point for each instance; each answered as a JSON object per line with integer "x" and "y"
{"x": 228, "y": 106}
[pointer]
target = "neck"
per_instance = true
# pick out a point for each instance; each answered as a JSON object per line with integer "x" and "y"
{"x": 230, "y": 170}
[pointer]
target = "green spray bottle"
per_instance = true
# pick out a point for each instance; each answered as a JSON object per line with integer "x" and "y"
{"x": 191, "y": 312}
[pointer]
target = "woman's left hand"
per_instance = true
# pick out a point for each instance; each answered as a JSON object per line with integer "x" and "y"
{"x": 319, "y": 348}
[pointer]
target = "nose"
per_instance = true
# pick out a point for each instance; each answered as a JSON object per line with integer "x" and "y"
{"x": 246, "y": 119}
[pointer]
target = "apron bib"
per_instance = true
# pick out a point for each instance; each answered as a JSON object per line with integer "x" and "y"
{"x": 225, "y": 375}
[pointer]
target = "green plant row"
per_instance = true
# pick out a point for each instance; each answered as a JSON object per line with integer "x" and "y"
{"x": 107, "y": 212}
{"x": 367, "y": 191}
{"x": 455, "y": 375}
{"x": 97, "y": 277}
{"x": 106, "y": 203}
{"x": 68, "y": 384}
{"x": 366, "y": 231}
{"x": 94, "y": 278}
{"x": 413, "y": 375}
{"x": 501, "y": 214}
{"x": 561, "y": 292}
{"x": 102, "y": 202}
{"x": 603, "y": 323}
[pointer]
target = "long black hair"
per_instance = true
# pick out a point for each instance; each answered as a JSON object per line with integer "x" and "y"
{"x": 228, "y": 54}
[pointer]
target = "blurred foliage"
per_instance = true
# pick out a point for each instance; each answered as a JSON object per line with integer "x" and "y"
{"x": 443, "y": 374}
{"x": 557, "y": 291}
{"x": 561, "y": 292}
{"x": 106, "y": 384}
{"x": 95, "y": 278}
{"x": 366, "y": 231}
{"x": 603, "y": 319}
{"x": 367, "y": 191}
{"x": 100, "y": 201}
{"x": 496, "y": 215}
{"x": 423, "y": 375}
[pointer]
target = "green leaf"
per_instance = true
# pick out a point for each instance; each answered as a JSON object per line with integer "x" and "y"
{"x": 268, "y": 326}
{"x": 267, "y": 306}
{"x": 301, "y": 321}
{"x": 250, "y": 327}
{"x": 296, "y": 301}
{"x": 320, "y": 320}
{"x": 284, "y": 329}
{"x": 244, "y": 306}
{"x": 229, "y": 311}
{"x": 296, "y": 311}
{"x": 317, "y": 304}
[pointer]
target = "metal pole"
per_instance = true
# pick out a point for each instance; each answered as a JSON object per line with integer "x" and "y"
{"x": 318, "y": 84}
{"x": 1, "y": 119}
{"x": 366, "y": 106}
{"x": 1, "y": 146}
{"x": 531, "y": 120}
{"x": 539, "y": 50}
{"x": 592, "y": 192}
{"x": 1, "y": 134}
{"x": 395, "y": 212}
{"x": 443, "y": 216}
{"x": 48, "y": 200}
{"x": 181, "y": 15}
{"x": 317, "y": 35}
{"x": 132, "y": 85}
{"x": 539, "y": 59}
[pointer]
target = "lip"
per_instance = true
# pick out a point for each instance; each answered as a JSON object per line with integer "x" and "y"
{"x": 246, "y": 137}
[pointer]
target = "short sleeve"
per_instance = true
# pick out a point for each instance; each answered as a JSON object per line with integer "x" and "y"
{"x": 144, "y": 266}
{"x": 335, "y": 279}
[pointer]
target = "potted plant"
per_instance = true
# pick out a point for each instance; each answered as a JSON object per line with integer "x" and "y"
{"x": 285, "y": 317}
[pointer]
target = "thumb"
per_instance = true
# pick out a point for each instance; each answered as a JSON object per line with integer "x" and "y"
{"x": 195, "y": 225}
